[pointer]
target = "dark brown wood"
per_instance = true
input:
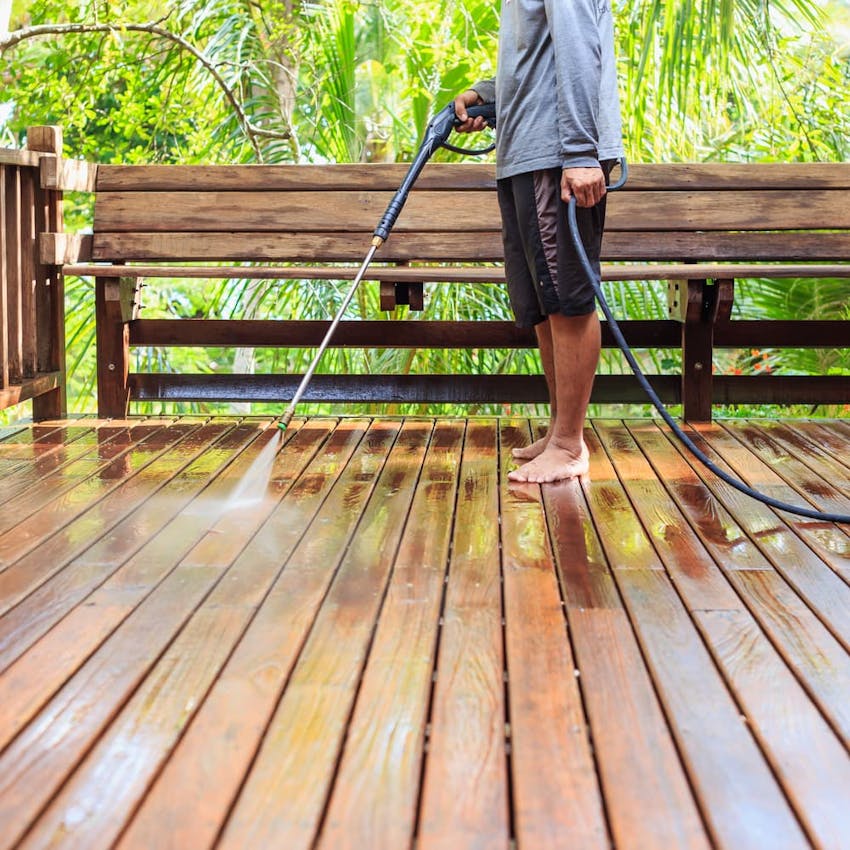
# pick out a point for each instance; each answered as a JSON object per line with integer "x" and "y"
{"x": 28, "y": 273}
{"x": 557, "y": 800}
{"x": 732, "y": 781}
{"x": 387, "y": 177}
{"x": 787, "y": 724}
{"x": 383, "y": 334}
{"x": 648, "y": 799}
{"x": 361, "y": 619}
{"x": 376, "y": 791}
{"x": 684, "y": 222}
{"x": 6, "y": 249}
{"x": 468, "y": 211}
{"x": 50, "y": 287}
{"x": 113, "y": 347}
{"x": 468, "y": 709}
{"x": 14, "y": 273}
{"x": 465, "y": 389}
{"x": 451, "y": 246}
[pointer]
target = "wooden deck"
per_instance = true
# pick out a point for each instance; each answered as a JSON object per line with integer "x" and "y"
{"x": 358, "y": 636}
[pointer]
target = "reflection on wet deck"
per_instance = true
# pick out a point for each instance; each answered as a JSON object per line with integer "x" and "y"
{"x": 358, "y": 635}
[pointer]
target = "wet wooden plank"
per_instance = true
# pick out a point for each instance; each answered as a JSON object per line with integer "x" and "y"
{"x": 818, "y": 449}
{"x": 152, "y": 720}
{"x": 801, "y": 480}
{"x": 811, "y": 762}
{"x": 787, "y": 724}
{"x": 36, "y": 550}
{"x": 158, "y": 534}
{"x": 49, "y": 467}
{"x": 207, "y": 770}
{"x": 298, "y": 759}
{"x": 556, "y": 797}
{"x": 135, "y": 450}
{"x": 101, "y": 687}
{"x": 459, "y": 809}
{"x": 48, "y": 478}
{"x": 376, "y": 794}
{"x": 21, "y": 449}
{"x": 818, "y": 660}
{"x": 754, "y": 538}
{"x": 740, "y": 800}
{"x": 648, "y": 800}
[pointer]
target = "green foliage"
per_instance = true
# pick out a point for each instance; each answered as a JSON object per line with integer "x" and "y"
{"x": 341, "y": 80}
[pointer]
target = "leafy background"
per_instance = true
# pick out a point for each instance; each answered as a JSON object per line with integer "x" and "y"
{"x": 345, "y": 81}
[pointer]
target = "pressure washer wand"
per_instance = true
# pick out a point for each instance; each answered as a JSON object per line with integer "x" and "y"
{"x": 436, "y": 134}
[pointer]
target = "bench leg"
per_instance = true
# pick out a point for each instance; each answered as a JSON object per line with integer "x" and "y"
{"x": 699, "y": 304}
{"x": 115, "y": 306}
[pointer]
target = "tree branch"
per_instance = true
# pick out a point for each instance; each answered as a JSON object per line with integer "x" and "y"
{"x": 12, "y": 39}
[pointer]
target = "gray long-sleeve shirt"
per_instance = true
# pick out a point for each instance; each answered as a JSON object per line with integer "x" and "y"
{"x": 555, "y": 87}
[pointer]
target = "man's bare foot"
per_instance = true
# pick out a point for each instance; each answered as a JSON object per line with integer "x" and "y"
{"x": 553, "y": 464}
{"x": 530, "y": 452}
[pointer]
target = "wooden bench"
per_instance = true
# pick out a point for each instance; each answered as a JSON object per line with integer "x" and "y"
{"x": 699, "y": 227}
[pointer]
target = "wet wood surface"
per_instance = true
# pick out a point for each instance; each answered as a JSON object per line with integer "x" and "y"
{"x": 358, "y": 633}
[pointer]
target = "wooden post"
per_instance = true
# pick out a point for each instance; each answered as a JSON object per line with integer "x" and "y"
{"x": 698, "y": 304}
{"x": 49, "y": 284}
{"x": 116, "y": 305}
{"x": 5, "y": 259}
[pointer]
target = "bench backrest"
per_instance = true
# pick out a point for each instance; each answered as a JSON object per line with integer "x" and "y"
{"x": 676, "y": 212}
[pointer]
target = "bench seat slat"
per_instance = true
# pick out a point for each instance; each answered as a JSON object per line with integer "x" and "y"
{"x": 458, "y": 247}
{"x": 462, "y": 274}
{"x": 467, "y": 210}
{"x": 388, "y": 176}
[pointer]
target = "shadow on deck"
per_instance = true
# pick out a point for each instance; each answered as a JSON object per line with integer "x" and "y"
{"x": 364, "y": 638}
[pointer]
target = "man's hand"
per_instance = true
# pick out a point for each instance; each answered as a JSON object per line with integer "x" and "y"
{"x": 468, "y": 125}
{"x": 587, "y": 184}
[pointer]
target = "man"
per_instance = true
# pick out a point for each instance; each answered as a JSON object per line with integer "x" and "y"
{"x": 559, "y": 133}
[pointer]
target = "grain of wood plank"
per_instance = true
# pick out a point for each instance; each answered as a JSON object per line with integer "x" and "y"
{"x": 801, "y": 480}
{"x": 386, "y": 176}
{"x": 739, "y": 798}
{"x": 465, "y": 793}
{"x": 806, "y": 755}
{"x": 138, "y": 475}
{"x": 152, "y": 721}
{"x": 376, "y": 791}
{"x": 813, "y": 766}
{"x": 143, "y": 446}
{"x": 19, "y": 451}
{"x": 771, "y": 543}
{"x": 648, "y": 799}
{"x": 556, "y": 800}
{"x": 45, "y": 471}
{"x": 451, "y": 246}
{"x": 33, "y": 489}
{"x": 207, "y": 770}
{"x": 100, "y": 688}
{"x": 469, "y": 210}
{"x": 143, "y": 547}
{"x": 817, "y": 658}
{"x": 830, "y": 464}
{"x": 298, "y": 758}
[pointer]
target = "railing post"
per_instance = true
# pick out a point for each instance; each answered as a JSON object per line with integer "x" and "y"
{"x": 49, "y": 284}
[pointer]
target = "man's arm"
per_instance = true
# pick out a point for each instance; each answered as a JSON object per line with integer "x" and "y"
{"x": 574, "y": 29}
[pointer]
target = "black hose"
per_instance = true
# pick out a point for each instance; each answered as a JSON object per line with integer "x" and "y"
{"x": 653, "y": 396}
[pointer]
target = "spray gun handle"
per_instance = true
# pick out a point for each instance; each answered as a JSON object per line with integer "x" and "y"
{"x": 486, "y": 110}
{"x": 438, "y": 130}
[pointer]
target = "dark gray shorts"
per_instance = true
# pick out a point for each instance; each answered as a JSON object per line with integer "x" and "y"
{"x": 543, "y": 272}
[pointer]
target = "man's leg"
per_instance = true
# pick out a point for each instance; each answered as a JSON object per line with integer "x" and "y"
{"x": 575, "y": 355}
{"x": 547, "y": 358}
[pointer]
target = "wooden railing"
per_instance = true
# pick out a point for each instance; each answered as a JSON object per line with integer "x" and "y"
{"x": 32, "y": 313}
